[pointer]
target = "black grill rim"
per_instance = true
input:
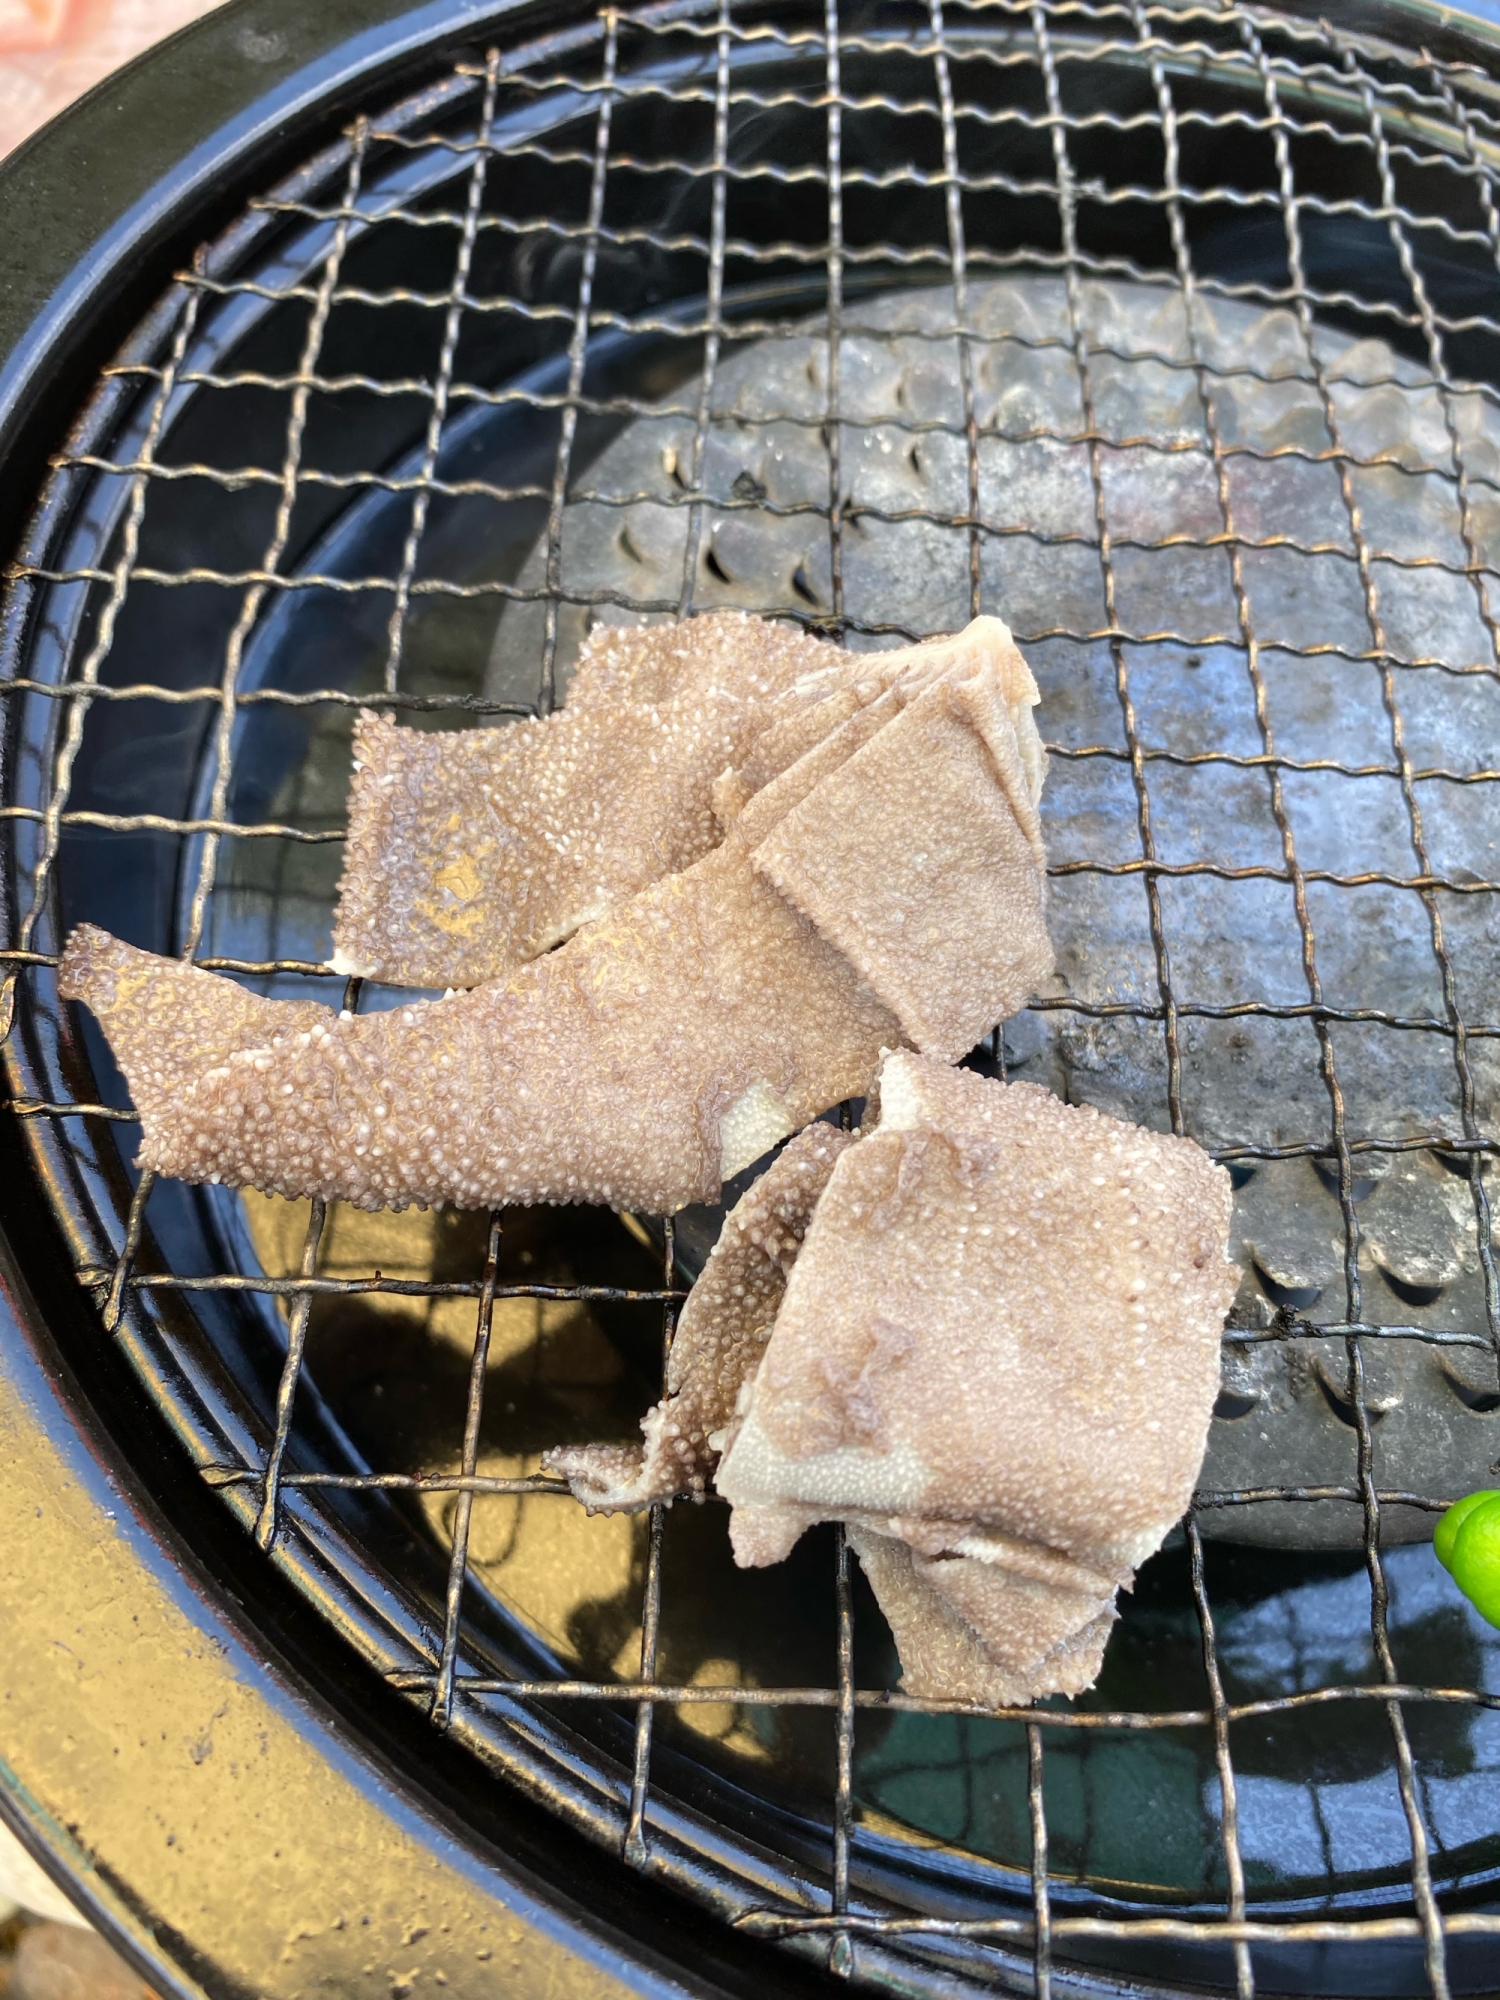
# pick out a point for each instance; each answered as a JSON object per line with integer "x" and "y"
{"x": 96, "y": 210}
{"x": 106, "y": 201}
{"x": 55, "y": 347}
{"x": 598, "y": 1930}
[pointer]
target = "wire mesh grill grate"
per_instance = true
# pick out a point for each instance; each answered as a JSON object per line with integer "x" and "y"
{"x": 941, "y": 144}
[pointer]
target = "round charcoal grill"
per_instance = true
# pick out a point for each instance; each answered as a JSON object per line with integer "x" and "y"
{"x": 1171, "y": 333}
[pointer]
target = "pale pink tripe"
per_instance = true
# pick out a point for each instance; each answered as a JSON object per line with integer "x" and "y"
{"x": 880, "y": 882}
{"x": 996, "y": 1360}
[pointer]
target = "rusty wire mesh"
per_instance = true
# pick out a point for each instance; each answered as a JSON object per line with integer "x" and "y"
{"x": 1422, "y": 136}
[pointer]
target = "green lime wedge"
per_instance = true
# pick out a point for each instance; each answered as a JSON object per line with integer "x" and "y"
{"x": 1475, "y": 1557}
{"x": 1446, "y": 1532}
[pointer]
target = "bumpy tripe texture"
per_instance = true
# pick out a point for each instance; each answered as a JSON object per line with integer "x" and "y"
{"x": 676, "y": 1039}
{"x": 719, "y": 1341}
{"x": 996, "y": 1359}
{"x": 470, "y": 853}
{"x": 655, "y": 1053}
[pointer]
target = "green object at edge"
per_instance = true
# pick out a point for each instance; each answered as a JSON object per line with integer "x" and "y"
{"x": 1446, "y": 1531}
{"x": 1467, "y": 1543}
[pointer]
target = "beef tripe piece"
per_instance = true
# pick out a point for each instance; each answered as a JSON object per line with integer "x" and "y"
{"x": 996, "y": 1359}
{"x": 820, "y": 702}
{"x": 470, "y": 853}
{"x": 655, "y": 1054}
{"x": 675, "y": 1040}
{"x": 930, "y": 833}
{"x": 719, "y": 1340}
{"x": 974, "y": 1631}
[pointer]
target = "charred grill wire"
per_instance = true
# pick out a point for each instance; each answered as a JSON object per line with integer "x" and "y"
{"x": 1019, "y": 147}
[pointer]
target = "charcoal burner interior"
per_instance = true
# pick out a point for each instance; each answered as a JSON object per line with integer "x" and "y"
{"x": 1170, "y": 335}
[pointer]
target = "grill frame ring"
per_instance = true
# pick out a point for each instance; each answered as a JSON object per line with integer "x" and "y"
{"x": 864, "y": 1946}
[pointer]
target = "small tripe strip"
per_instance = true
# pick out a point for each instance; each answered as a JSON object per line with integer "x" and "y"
{"x": 666, "y": 1045}
{"x": 470, "y": 853}
{"x": 978, "y": 1631}
{"x": 181, "y": 1023}
{"x": 719, "y": 1341}
{"x": 996, "y": 1360}
{"x": 639, "y": 1065}
{"x": 958, "y": 771}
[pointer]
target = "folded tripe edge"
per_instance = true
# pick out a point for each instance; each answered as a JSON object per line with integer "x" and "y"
{"x": 674, "y": 1040}
{"x": 470, "y": 852}
{"x": 991, "y": 1350}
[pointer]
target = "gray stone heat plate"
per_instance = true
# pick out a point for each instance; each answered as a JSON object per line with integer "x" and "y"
{"x": 1296, "y": 724}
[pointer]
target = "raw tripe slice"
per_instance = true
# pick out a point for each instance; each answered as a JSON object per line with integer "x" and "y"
{"x": 656, "y": 1053}
{"x": 973, "y": 1631}
{"x": 996, "y": 1359}
{"x": 664, "y": 1047}
{"x": 821, "y": 702}
{"x": 470, "y": 853}
{"x": 927, "y": 834}
{"x": 179, "y": 1026}
{"x": 720, "y": 1338}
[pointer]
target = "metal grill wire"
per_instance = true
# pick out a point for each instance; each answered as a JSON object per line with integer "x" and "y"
{"x": 607, "y": 64}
